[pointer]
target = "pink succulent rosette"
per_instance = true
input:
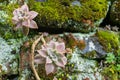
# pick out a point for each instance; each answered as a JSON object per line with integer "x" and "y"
{"x": 24, "y": 17}
{"x": 52, "y": 55}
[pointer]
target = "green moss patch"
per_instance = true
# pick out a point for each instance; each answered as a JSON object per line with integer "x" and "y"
{"x": 115, "y": 13}
{"x": 109, "y": 40}
{"x": 62, "y": 14}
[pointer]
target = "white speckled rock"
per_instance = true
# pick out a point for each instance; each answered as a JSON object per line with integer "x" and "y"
{"x": 9, "y": 61}
{"x": 87, "y": 68}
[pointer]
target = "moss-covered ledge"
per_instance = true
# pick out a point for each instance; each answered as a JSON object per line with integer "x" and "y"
{"x": 74, "y": 15}
{"x": 109, "y": 40}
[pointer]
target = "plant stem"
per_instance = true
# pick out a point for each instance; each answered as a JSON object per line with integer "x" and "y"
{"x": 21, "y": 2}
{"x": 25, "y": 30}
{"x": 32, "y": 57}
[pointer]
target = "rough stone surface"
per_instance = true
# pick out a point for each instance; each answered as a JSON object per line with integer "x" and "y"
{"x": 92, "y": 44}
{"x": 9, "y": 52}
{"x": 115, "y": 13}
{"x": 87, "y": 68}
{"x": 83, "y": 67}
{"x": 74, "y": 15}
{"x": 8, "y": 60}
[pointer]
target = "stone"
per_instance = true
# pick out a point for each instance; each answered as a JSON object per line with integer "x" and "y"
{"x": 75, "y": 15}
{"x": 9, "y": 57}
{"x": 92, "y": 49}
{"x": 86, "y": 68}
{"x": 8, "y": 61}
{"x": 115, "y": 13}
{"x": 83, "y": 62}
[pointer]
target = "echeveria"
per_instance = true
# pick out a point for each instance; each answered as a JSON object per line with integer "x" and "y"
{"x": 52, "y": 55}
{"x": 23, "y": 17}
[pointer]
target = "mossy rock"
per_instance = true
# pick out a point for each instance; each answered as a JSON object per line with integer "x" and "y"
{"x": 90, "y": 55}
{"x": 109, "y": 40}
{"x": 70, "y": 15}
{"x": 115, "y": 13}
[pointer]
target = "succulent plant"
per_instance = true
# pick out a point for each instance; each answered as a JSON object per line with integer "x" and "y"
{"x": 52, "y": 55}
{"x": 23, "y": 17}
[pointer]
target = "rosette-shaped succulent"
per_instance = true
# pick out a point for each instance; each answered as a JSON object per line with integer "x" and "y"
{"x": 52, "y": 55}
{"x": 23, "y": 18}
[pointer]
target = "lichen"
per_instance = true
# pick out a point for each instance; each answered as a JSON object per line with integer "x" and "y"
{"x": 109, "y": 40}
{"x": 62, "y": 14}
{"x": 6, "y": 56}
{"x": 79, "y": 68}
{"x": 9, "y": 55}
{"x": 25, "y": 75}
{"x": 87, "y": 68}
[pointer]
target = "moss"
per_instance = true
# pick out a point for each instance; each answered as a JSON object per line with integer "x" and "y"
{"x": 57, "y": 13}
{"x": 111, "y": 67}
{"x": 109, "y": 40}
{"x": 115, "y": 12}
{"x": 8, "y": 10}
{"x": 90, "y": 55}
{"x": 110, "y": 74}
{"x": 7, "y": 32}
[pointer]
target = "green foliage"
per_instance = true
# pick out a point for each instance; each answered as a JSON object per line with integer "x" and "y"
{"x": 118, "y": 67}
{"x": 112, "y": 66}
{"x": 110, "y": 58}
{"x": 111, "y": 43}
{"x": 7, "y": 32}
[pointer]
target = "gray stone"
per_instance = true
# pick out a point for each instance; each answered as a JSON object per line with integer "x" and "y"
{"x": 92, "y": 44}
{"x": 7, "y": 60}
{"x": 76, "y": 3}
{"x": 9, "y": 52}
{"x": 87, "y": 68}
{"x": 115, "y": 13}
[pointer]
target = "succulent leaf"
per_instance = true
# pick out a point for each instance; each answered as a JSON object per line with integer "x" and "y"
{"x": 53, "y": 54}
